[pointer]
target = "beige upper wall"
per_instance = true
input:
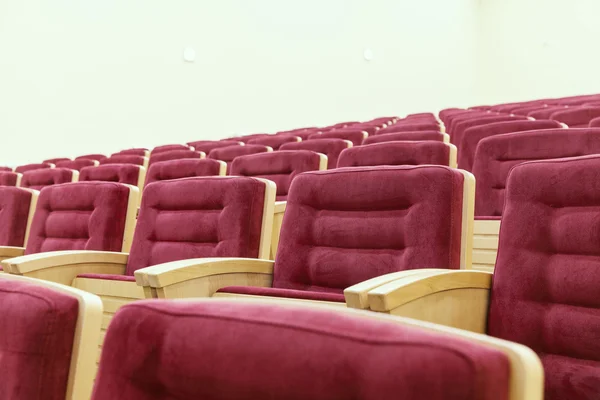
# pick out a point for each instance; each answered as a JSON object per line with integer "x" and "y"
{"x": 97, "y": 76}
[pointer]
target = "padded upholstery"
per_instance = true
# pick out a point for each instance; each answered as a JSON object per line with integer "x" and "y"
{"x": 447, "y": 112}
{"x": 97, "y": 157}
{"x": 280, "y": 167}
{"x": 396, "y": 153}
{"x": 79, "y": 216}
{"x": 6, "y": 169}
{"x": 274, "y": 141}
{"x": 124, "y": 159}
{"x": 399, "y": 136}
{"x": 356, "y": 137}
{"x": 266, "y": 351}
{"x": 169, "y": 147}
{"x": 206, "y": 146}
{"x": 140, "y": 151}
{"x": 41, "y": 178}
{"x": 458, "y": 118}
{"x": 14, "y": 212}
{"x": 303, "y": 134}
{"x": 460, "y": 127}
{"x": 38, "y": 330}
{"x": 229, "y": 153}
{"x": 247, "y": 138}
{"x": 545, "y": 287}
{"x": 31, "y": 167}
{"x": 56, "y": 160}
{"x": 496, "y": 155}
{"x": 122, "y": 173}
{"x": 183, "y": 168}
{"x": 77, "y": 165}
{"x": 546, "y": 112}
{"x": 410, "y": 127}
{"x": 579, "y": 117}
{"x": 330, "y": 147}
{"x": 8, "y": 178}
{"x": 198, "y": 217}
{"x": 175, "y": 155}
{"x": 525, "y": 110}
{"x": 473, "y": 135}
{"x": 595, "y": 123}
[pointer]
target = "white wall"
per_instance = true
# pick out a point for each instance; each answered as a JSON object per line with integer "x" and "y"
{"x": 80, "y": 76}
{"x": 532, "y": 49}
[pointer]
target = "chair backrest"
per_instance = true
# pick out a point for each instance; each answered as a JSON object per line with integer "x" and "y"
{"x": 10, "y": 178}
{"x": 56, "y": 160}
{"x": 496, "y": 155}
{"x": 460, "y": 127}
{"x": 30, "y": 167}
{"x": 274, "y": 141}
{"x": 41, "y": 178}
{"x": 247, "y": 138}
{"x": 16, "y": 211}
{"x": 97, "y": 157}
{"x": 546, "y": 112}
{"x": 49, "y": 334}
{"x": 394, "y": 357}
{"x": 371, "y": 129}
{"x": 330, "y": 147}
{"x": 83, "y": 216}
{"x": 280, "y": 167}
{"x": 169, "y": 147}
{"x": 6, "y": 169}
{"x": 127, "y": 174}
{"x": 412, "y": 135}
{"x": 139, "y": 151}
{"x": 185, "y": 168}
{"x": 545, "y": 286}
{"x": 209, "y": 217}
{"x": 175, "y": 155}
{"x": 77, "y": 164}
{"x": 399, "y": 153}
{"x": 595, "y": 123}
{"x": 347, "y": 225}
{"x": 525, "y": 110}
{"x": 458, "y": 118}
{"x": 410, "y": 127}
{"x": 229, "y": 153}
{"x": 579, "y": 117}
{"x": 125, "y": 159}
{"x": 303, "y": 134}
{"x": 475, "y": 134}
{"x": 206, "y": 146}
{"x": 356, "y": 136}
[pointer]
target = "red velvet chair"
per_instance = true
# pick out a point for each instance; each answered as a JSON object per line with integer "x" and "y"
{"x": 330, "y": 147}
{"x": 97, "y": 157}
{"x": 356, "y": 137}
{"x": 30, "y": 167}
{"x": 371, "y": 129}
{"x": 206, "y": 146}
{"x": 448, "y": 112}
{"x": 458, "y": 118}
{"x": 546, "y": 112}
{"x": 41, "y": 178}
{"x": 399, "y": 153}
{"x": 138, "y": 151}
{"x": 298, "y": 352}
{"x": 303, "y": 134}
{"x": 246, "y": 138}
{"x": 56, "y": 160}
{"x": 127, "y": 174}
{"x": 410, "y": 127}
{"x": 50, "y": 333}
{"x": 544, "y": 289}
{"x": 595, "y": 123}
{"x": 229, "y": 153}
{"x": 6, "y": 169}
{"x": 185, "y": 168}
{"x": 274, "y": 141}
{"x": 17, "y": 206}
{"x": 10, "y": 178}
{"x": 175, "y": 155}
{"x": 414, "y": 135}
{"x": 126, "y": 159}
{"x": 342, "y": 227}
{"x": 579, "y": 117}
{"x": 77, "y": 165}
{"x": 460, "y": 127}
{"x": 526, "y": 110}
{"x": 169, "y": 147}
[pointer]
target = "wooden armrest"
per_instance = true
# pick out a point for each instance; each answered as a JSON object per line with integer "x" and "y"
{"x": 10, "y": 252}
{"x": 357, "y": 295}
{"x": 280, "y": 206}
{"x": 162, "y": 275}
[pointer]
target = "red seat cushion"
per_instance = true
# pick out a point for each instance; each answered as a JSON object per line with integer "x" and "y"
{"x": 218, "y": 350}
{"x": 411, "y": 135}
{"x": 396, "y": 153}
{"x": 182, "y": 168}
{"x": 37, "y": 332}
{"x": 14, "y": 212}
{"x": 285, "y": 293}
{"x": 41, "y": 178}
{"x": 330, "y": 147}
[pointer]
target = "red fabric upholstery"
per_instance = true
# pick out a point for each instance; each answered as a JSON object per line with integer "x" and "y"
{"x": 37, "y": 330}
{"x": 141, "y": 151}
{"x": 183, "y": 168}
{"x": 330, "y": 147}
{"x": 268, "y": 351}
{"x": 473, "y": 135}
{"x": 347, "y": 225}
{"x": 31, "y": 167}
{"x": 595, "y": 123}
{"x": 396, "y": 153}
{"x": 399, "y": 136}
{"x": 356, "y": 137}
{"x": 96, "y": 157}
{"x": 579, "y": 117}
{"x": 123, "y": 159}
{"x": 77, "y": 165}
{"x": 79, "y": 216}
{"x": 284, "y": 293}
{"x": 169, "y": 147}
{"x": 496, "y": 155}
{"x": 546, "y": 112}
{"x": 122, "y": 173}
{"x": 198, "y": 217}
{"x": 526, "y": 110}
{"x": 41, "y": 178}
{"x": 280, "y": 167}
{"x": 229, "y": 153}
{"x": 175, "y": 155}
{"x": 458, "y": 118}
{"x": 14, "y": 212}
{"x": 371, "y": 129}
{"x": 545, "y": 287}
{"x": 422, "y": 115}
{"x": 6, "y": 169}
{"x": 56, "y": 160}
{"x": 8, "y": 178}
{"x": 447, "y": 112}
{"x": 303, "y": 134}
{"x": 247, "y": 138}
{"x": 206, "y": 146}
{"x": 460, "y": 127}
{"x": 410, "y": 128}
{"x": 274, "y": 141}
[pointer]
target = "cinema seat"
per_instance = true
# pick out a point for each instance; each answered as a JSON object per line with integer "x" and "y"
{"x": 274, "y": 141}
{"x": 303, "y": 134}
{"x": 330, "y": 147}
{"x": 41, "y": 178}
{"x": 371, "y": 129}
{"x": 56, "y": 160}
{"x": 341, "y": 227}
{"x": 126, "y": 159}
{"x": 49, "y": 334}
{"x": 399, "y": 153}
{"x": 459, "y": 129}
{"x": 254, "y": 350}
{"x": 356, "y": 137}
{"x": 96, "y": 157}
{"x": 77, "y": 165}
{"x": 544, "y": 289}
{"x": 30, "y": 167}
{"x": 410, "y": 127}
{"x": 494, "y": 158}
{"x": 128, "y": 174}
{"x": 546, "y": 112}
{"x": 6, "y": 169}
{"x": 206, "y": 146}
{"x": 10, "y": 178}
{"x": 578, "y": 117}
{"x": 138, "y": 151}
{"x": 185, "y": 168}
{"x": 17, "y": 206}
{"x": 169, "y": 147}
{"x": 414, "y": 135}
{"x": 175, "y": 155}
{"x": 229, "y": 153}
